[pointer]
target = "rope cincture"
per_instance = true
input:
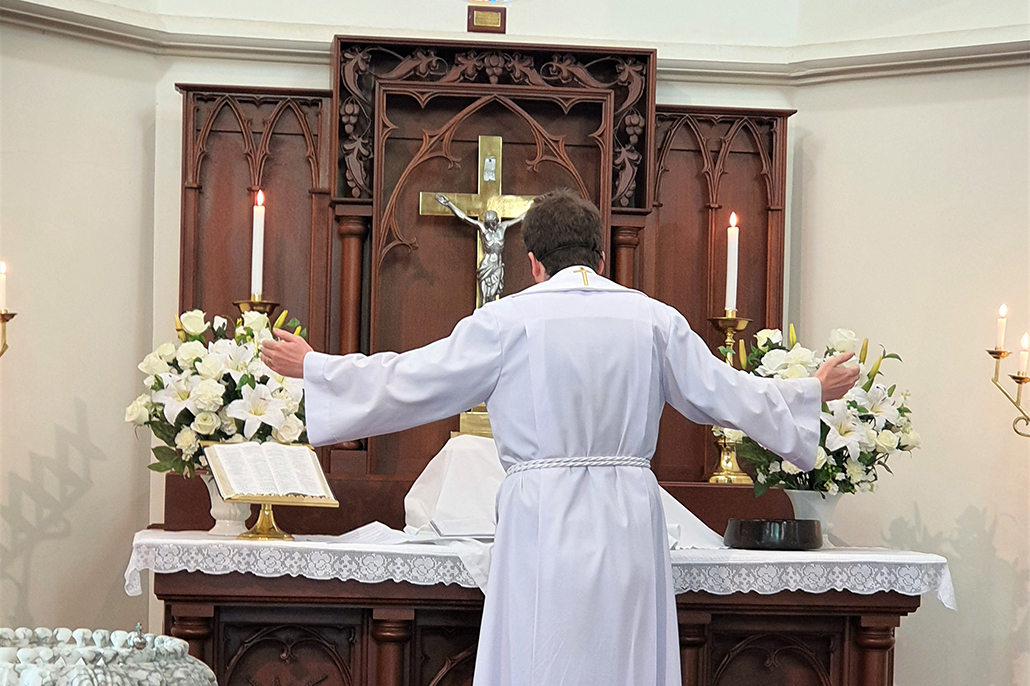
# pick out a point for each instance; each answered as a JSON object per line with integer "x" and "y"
{"x": 594, "y": 461}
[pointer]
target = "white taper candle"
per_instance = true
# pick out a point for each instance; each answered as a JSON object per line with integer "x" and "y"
{"x": 1000, "y": 343}
{"x": 257, "y": 250}
{"x": 732, "y": 249}
{"x": 1024, "y": 356}
{"x": 3, "y": 286}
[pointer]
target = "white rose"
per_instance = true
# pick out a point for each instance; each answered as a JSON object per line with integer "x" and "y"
{"x": 166, "y": 351}
{"x": 212, "y": 367}
{"x": 219, "y": 323}
{"x": 790, "y": 468}
{"x": 291, "y": 430}
{"x": 799, "y": 356}
{"x": 820, "y": 457}
{"x": 772, "y": 362}
{"x": 767, "y": 336}
{"x": 292, "y": 405}
{"x": 193, "y": 322}
{"x": 207, "y": 395}
{"x": 187, "y": 442}
{"x": 843, "y": 341}
{"x": 794, "y": 372}
{"x": 910, "y": 440}
{"x": 761, "y": 478}
{"x": 188, "y": 352}
{"x": 228, "y": 423}
{"x": 152, "y": 365}
{"x": 255, "y": 321}
{"x": 238, "y": 438}
{"x": 139, "y": 411}
{"x": 886, "y": 441}
{"x": 206, "y": 423}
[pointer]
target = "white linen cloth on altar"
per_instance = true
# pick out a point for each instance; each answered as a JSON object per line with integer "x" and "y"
{"x": 575, "y": 367}
{"x": 453, "y": 500}
{"x": 358, "y": 558}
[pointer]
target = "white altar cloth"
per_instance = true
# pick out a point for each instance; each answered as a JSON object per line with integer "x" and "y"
{"x": 722, "y": 572}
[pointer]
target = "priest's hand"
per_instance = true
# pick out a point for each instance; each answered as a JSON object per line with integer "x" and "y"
{"x": 285, "y": 356}
{"x": 837, "y": 380}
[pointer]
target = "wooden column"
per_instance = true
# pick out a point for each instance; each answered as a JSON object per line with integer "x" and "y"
{"x": 391, "y": 629}
{"x": 193, "y": 622}
{"x": 874, "y": 639}
{"x": 693, "y": 627}
{"x": 352, "y": 229}
{"x": 625, "y": 240}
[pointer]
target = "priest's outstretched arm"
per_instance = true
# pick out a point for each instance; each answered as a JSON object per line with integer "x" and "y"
{"x": 780, "y": 414}
{"x": 356, "y": 396}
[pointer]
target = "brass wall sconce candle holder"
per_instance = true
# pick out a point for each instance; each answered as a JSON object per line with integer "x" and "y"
{"x": 1021, "y": 380}
{"x": 5, "y": 316}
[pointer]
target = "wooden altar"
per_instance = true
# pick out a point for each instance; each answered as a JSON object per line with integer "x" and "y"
{"x": 349, "y": 255}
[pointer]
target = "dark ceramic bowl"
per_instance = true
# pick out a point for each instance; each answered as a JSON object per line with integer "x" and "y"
{"x": 774, "y": 534}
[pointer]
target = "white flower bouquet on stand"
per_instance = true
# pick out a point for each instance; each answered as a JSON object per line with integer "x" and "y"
{"x": 210, "y": 385}
{"x": 860, "y": 432}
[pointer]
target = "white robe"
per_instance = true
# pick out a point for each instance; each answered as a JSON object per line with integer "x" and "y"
{"x": 580, "y": 587}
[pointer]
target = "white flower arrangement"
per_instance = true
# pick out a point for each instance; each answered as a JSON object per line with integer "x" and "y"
{"x": 210, "y": 384}
{"x": 860, "y": 432}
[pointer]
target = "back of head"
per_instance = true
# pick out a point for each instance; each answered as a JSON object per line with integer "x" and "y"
{"x": 563, "y": 230}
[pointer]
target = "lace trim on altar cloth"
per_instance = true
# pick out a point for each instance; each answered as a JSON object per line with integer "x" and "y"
{"x": 720, "y": 572}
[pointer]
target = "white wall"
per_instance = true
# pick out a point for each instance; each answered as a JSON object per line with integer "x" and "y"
{"x": 911, "y": 225}
{"x": 76, "y": 156}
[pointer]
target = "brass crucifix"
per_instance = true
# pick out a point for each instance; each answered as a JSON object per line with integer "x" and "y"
{"x": 493, "y": 212}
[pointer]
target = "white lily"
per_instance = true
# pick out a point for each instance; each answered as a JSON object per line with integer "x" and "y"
{"x": 176, "y": 394}
{"x": 295, "y": 387}
{"x": 257, "y": 407}
{"x": 882, "y": 407}
{"x": 845, "y": 429}
{"x": 239, "y": 360}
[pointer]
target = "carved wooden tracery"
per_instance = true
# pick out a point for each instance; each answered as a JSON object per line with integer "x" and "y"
{"x": 628, "y": 74}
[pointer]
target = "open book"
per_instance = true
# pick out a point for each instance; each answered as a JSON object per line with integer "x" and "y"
{"x": 260, "y": 472}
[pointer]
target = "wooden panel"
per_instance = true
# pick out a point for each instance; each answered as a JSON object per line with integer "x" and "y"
{"x": 235, "y": 141}
{"x": 428, "y": 139}
{"x": 711, "y": 162}
{"x": 390, "y": 633}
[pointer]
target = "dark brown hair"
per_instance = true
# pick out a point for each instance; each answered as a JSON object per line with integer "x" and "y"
{"x": 563, "y": 230}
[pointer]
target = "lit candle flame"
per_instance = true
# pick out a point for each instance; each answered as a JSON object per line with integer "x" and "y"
{"x": 1026, "y": 341}
{"x": 733, "y": 218}
{"x": 260, "y": 197}
{"x": 1003, "y": 311}
{"x": 3, "y": 267}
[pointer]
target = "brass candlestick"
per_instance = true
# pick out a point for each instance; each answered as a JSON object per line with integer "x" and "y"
{"x": 5, "y": 317}
{"x": 1017, "y": 402}
{"x": 729, "y": 471}
{"x": 257, "y": 304}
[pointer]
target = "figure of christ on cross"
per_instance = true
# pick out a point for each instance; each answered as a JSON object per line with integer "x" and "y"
{"x": 489, "y": 210}
{"x": 491, "y": 232}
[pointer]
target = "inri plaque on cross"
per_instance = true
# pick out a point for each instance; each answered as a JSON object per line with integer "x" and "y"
{"x": 487, "y": 199}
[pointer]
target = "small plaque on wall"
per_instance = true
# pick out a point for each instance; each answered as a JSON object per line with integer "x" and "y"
{"x": 485, "y": 19}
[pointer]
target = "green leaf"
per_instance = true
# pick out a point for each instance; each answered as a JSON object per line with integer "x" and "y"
{"x": 293, "y": 323}
{"x": 160, "y": 467}
{"x": 164, "y": 431}
{"x": 761, "y": 489}
{"x": 892, "y": 356}
{"x": 890, "y": 391}
{"x": 165, "y": 454}
{"x": 304, "y": 334}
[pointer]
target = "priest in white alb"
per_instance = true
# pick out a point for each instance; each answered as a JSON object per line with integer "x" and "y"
{"x": 575, "y": 371}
